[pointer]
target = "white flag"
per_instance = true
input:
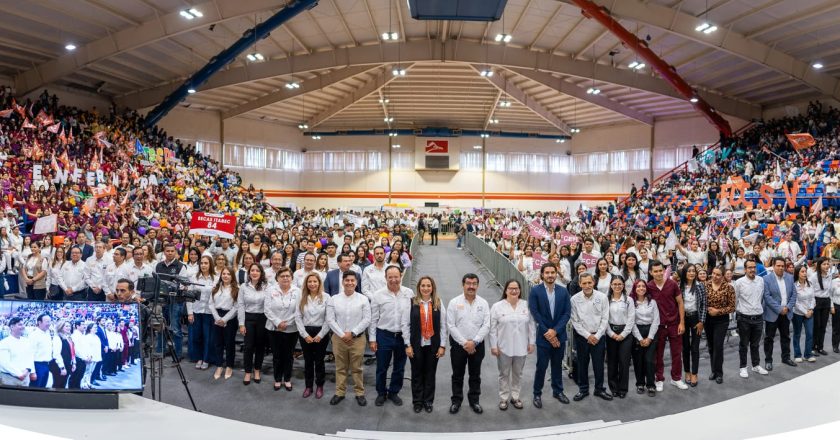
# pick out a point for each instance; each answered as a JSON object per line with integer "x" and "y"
{"x": 817, "y": 207}
{"x": 704, "y": 237}
{"x": 671, "y": 241}
{"x": 724, "y": 204}
{"x": 46, "y": 225}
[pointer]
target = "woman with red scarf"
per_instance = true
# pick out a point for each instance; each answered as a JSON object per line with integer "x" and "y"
{"x": 424, "y": 330}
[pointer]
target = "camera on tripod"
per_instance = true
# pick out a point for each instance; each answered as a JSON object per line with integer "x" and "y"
{"x": 157, "y": 292}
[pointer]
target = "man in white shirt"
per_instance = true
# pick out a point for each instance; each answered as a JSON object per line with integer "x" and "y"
{"x": 385, "y": 334}
{"x": 72, "y": 277}
{"x": 373, "y": 278}
{"x": 749, "y": 312}
{"x": 97, "y": 271}
{"x": 468, "y": 321}
{"x": 17, "y": 360}
{"x": 590, "y": 317}
{"x": 308, "y": 268}
{"x": 45, "y": 348}
{"x": 788, "y": 248}
{"x": 348, "y": 315}
{"x": 434, "y": 228}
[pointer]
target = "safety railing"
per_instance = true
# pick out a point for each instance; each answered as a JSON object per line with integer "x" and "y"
{"x": 408, "y": 274}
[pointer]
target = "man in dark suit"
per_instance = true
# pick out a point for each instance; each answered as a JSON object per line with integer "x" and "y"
{"x": 332, "y": 284}
{"x": 551, "y": 309}
{"x": 779, "y": 299}
{"x": 81, "y": 243}
{"x": 98, "y": 374}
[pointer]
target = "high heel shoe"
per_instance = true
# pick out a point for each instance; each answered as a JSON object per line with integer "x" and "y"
{"x": 218, "y": 373}
{"x": 247, "y": 380}
{"x": 228, "y": 373}
{"x": 277, "y": 386}
{"x": 257, "y": 377}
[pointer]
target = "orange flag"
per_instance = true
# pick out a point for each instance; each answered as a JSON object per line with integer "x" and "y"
{"x": 801, "y": 141}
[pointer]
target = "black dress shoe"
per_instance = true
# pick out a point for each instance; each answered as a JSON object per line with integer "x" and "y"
{"x": 603, "y": 394}
{"x": 768, "y": 366}
{"x": 579, "y": 396}
{"x": 823, "y": 352}
{"x": 621, "y": 395}
{"x": 380, "y": 400}
{"x": 538, "y": 402}
{"x": 476, "y": 408}
{"x": 336, "y": 399}
{"x": 719, "y": 380}
{"x": 562, "y": 398}
{"x": 454, "y": 408}
{"x": 713, "y": 376}
{"x": 361, "y": 400}
{"x": 395, "y": 399}
{"x": 837, "y": 349}
{"x": 428, "y": 407}
{"x": 789, "y": 362}
{"x": 278, "y": 387}
{"x": 418, "y": 408}
{"x": 815, "y": 352}
{"x": 640, "y": 390}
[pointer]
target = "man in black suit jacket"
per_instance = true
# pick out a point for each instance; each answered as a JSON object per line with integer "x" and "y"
{"x": 332, "y": 285}
{"x": 551, "y": 312}
{"x": 81, "y": 243}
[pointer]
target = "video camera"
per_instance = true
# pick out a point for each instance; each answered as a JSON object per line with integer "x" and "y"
{"x": 166, "y": 288}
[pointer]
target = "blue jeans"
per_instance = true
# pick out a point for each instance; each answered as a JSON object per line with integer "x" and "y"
{"x": 460, "y": 239}
{"x": 200, "y": 339}
{"x": 546, "y": 356}
{"x": 173, "y": 313}
{"x": 389, "y": 345}
{"x": 798, "y": 322}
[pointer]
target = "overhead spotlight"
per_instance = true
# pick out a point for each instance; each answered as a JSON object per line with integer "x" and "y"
{"x": 389, "y": 119}
{"x": 390, "y": 36}
{"x": 562, "y": 141}
{"x": 316, "y": 137}
{"x": 476, "y": 147}
{"x": 558, "y": 140}
{"x": 384, "y": 100}
{"x": 703, "y": 26}
{"x": 817, "y": 65}
{"x": 486, "y": 73}
{"x": 303, "y": 126}
{"x": 593, "y": 91}
{"x": 575, "y": 130}
{"x": 694, "y": 100}
{"x": 506, "y": 38}
{"x": 396, "y": 146}
{"x": 494, "y": 121}
{"x": 710, "y": 30}
{"x": 505, "y": 103}
{"x": 191, "y": 90}
{"x": 71, "y": 47}
{"x": 398, "y": 71}
{"x": 485, "y": 135}
{"x": 293, "y": 85}
{"x": 635, "y": 65}
{"x": 392, "y": 134}
{"x": 191, "y": 13}
{"x": 254, "y": 57}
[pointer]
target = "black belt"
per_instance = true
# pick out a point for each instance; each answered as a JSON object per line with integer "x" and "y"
{"x": 740, "y": 315}
{"x": 394, "y": 334}
{"x": 617, "y": 328}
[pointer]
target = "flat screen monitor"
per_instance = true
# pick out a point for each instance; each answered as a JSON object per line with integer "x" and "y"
{"x": 70, "y": 346}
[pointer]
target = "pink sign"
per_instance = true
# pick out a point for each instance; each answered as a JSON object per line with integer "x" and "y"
{"x": 589, "y": 260}
{"x": 567, "y": 238}
{"x": 537, "y": 230}
{"x": 507, "y": 233}
{"x": 554, "y": 221}
{"x": 539, "y": 260}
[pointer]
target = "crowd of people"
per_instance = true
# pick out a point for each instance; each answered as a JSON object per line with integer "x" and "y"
{"x": 68, "y": 345}
{"x": 629, "y": 278}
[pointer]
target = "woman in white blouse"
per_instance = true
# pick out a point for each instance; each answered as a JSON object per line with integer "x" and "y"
{"x": 34, "y": 273}
{"x": 803, "y": 314}
{"x": 200, "y": 339}
{"x": 280, "y": 306}
{"x": 820, "y": 279}
{"x": 93, "y": 351}
{"x": 644, "y": 335}
{"x": 622, "y": 320}
{"x": 425, "y": 335}
{"x": 250, "y": 306}
{"x": 223, "y": 308}
{"x": 191, "y": 266}
{"x": 512, "y": 337}
{"x": 311, "y": 322}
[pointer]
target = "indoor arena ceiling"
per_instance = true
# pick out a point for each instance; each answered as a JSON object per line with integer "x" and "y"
{"x": 762, "y": 54}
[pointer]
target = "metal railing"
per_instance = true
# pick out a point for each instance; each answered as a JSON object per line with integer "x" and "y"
{"x": 408, "y": 274}
{"x": 502, "y": 270}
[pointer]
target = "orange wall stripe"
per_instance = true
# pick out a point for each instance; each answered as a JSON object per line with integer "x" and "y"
{"x": 432, "y": 196}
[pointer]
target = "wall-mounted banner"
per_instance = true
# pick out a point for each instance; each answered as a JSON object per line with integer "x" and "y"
{"x": 213, "y": 225}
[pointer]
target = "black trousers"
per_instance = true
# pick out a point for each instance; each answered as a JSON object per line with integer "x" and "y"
{"x": 225, "y": 340}
{"x": 314, "y": 371}
{"x": 716, "y": 328}
{"x": 644, "y": 360}
{"x": 423, "y": 369}
{"x": 618, "y": 361}
{"x": 282, "y": 354}
{"x": 254, "y": 341}
{"x": 821, "y": 312}
{"x": 749, "y": 333}
{"x": 434, "y": 235}
{"x": 585, "y": 352}
{"x": 783, "y": 325}
{"x": 835, "y": 326}
{"x": 461, "y": 362}
{"x": 97, "y": 370}
{"x": 59, "y": 381}
{"x": 75, "y": 380}
{"x": 691, "y": 345}
{"x": 37, "y": 294}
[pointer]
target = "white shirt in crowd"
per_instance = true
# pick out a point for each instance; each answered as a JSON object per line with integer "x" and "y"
{"x": 405, "y": 324}
{"x": 300, "y": 275}
{"x": 748, "y": 296}
{"x": 373, "y": 279}
{"x": 280, "y": 307}
{"x": 73, "y": 276}
{"x": 204, "y": 285}
{"x": 385, "y": 309}
{"x": 98, "y": 270}
{"x": 805, "y": 300}
{"x": 45, "y": 347}
{"x": 622, "y": 312}
{"x": 512, "y": 330}
{"x": 468, "y": 321}
{"x": 314, "y": 315}
{"x": 348, "y": 314}
{"x": 16, "y": 355}
{"x": 222, "y": 300}
{"x": 590, "y": 315}
{"x": 250, "y": 300}
{"x": 647, "y": 313}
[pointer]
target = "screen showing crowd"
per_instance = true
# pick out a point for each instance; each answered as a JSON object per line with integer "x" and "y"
{"x": 70, "y": 345}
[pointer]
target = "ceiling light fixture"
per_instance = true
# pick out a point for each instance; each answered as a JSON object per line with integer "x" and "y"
{"x": 476, "y": 147}
{"x": 392, "y": 134}
{"x": 485, "y": 135}
{"x": 817, "y": 65}
{"x": 255, "y": 56}
{"x": 494, "y": 121}
{"x": 293, "y": 85}
{"x": 71, "y": 47}
{"x": 389, "y": 119}
{"x": 191, "y": 13}
{"x": 694, "y": 100}
{"x": 506, "y": 38}
{"x": 505, "y": 103}
{"x": 487, "y": 73}
{"x": 316, "y": 137}
{"x": 398, "y": 71}
{"x": 303, "y": 126}
{"x": 635, "y": 65}
{"x": 191, "y": 90}
{"x": 593, "y": 91}
{"x": 384, "y": 100}
{"x": 390, "y": 36}
{"x": 575, "y": 130}
{"x": 395, "y": 146}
